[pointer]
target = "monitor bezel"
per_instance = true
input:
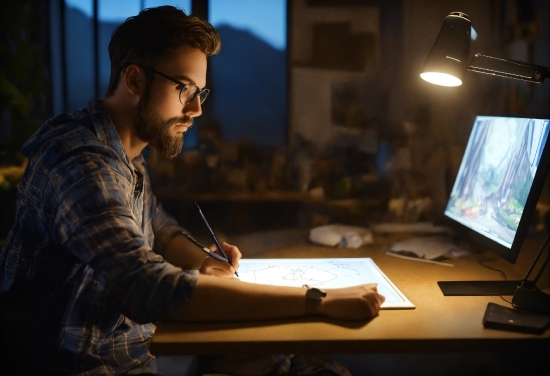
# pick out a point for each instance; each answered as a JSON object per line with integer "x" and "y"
{"x": 509, "y": 254}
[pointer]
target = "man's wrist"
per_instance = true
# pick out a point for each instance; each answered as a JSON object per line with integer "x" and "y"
{"x": 314, "y": 293}
{"x": 314, "y": 298}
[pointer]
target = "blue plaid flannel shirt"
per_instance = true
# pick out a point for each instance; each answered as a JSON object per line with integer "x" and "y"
{"x": 82, "y": 276}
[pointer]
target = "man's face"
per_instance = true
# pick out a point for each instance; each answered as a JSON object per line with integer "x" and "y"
{"x": 161, "y": 119}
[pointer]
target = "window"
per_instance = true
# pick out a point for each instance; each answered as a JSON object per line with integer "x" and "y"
{"x": 248, "y": 77}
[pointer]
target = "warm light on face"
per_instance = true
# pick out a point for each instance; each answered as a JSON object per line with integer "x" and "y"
{"x": 442, "y": 79}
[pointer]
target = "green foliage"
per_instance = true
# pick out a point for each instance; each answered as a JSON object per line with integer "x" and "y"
{"x": 24, "y": 85}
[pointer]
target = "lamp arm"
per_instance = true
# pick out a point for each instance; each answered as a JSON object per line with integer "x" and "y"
{"x": 537, "y": 259}
{"x": 527, "y": 296}
{"x": 508, "y": 68}
{"x": 543, "y": 267}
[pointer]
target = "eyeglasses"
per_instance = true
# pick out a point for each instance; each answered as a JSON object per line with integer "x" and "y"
{"x": 188, "y": 92}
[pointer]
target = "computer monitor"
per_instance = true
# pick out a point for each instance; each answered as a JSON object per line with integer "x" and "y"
{"x": 496, "y": 190}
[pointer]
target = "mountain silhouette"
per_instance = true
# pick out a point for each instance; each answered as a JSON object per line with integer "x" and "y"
{"x": 249, "y": 82}
{"x": 80, "y": 58}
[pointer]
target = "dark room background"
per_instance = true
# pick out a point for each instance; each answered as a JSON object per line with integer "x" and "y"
{"x": 317, "y": 112}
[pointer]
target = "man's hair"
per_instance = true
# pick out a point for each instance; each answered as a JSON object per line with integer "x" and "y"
{"x": 152, "y": 35}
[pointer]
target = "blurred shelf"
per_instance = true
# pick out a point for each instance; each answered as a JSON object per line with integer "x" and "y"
{"x": 169, "y": 193}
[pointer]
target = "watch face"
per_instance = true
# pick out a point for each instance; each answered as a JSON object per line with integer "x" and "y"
{"x": 314, "y": 293}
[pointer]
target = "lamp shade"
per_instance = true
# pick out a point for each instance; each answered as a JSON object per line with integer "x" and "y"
{"x": 449, "y": 55}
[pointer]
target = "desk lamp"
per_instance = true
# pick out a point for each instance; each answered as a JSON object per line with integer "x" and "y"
{"x": 448, "y": 58}
{"x": 445, "y": 66}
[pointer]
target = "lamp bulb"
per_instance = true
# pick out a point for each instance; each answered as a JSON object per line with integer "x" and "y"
{"x": 442, "y": 79}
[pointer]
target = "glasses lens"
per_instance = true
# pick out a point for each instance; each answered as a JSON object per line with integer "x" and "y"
{"x": 203, "y": 94}
{"x": 188, "y": 93}
{"x": 185, "y": 94}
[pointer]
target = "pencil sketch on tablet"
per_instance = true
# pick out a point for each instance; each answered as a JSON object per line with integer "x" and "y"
{"x": 322, "y": 273}
{"x": 298, "y": 274}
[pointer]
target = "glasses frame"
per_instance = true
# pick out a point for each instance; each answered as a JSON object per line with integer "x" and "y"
{"x": 201, "y": 93}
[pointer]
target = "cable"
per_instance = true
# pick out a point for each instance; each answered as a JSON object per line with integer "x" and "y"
{"x": 482, "y": 263}
{"x": 507, "y": 301}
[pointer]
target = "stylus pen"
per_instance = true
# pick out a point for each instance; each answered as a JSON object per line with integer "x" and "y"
{"x": 214, "y": 237}
{"x": 205, "y": 250}
{"x": 211, "y": 232}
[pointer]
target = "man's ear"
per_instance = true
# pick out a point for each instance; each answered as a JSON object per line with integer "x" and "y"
{"x": 134, "y": 79}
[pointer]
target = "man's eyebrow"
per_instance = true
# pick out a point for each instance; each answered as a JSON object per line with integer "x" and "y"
{"x": 183, "y": 77}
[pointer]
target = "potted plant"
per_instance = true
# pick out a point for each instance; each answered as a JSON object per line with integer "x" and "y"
{"x": 24, "y": 92}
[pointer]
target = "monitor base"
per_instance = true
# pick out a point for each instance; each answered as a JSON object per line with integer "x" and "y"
{"x": 474, "y": 288}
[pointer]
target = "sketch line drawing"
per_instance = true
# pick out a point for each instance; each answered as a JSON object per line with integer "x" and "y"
{"x": 297, "y": 275}
{"x": 322, "y": 273}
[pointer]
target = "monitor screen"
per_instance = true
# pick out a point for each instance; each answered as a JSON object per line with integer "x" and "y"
{"x": 499, "y": 181}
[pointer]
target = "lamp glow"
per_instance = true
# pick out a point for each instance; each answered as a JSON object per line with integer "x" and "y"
{"x": 448, "y": 58}
{"x": 442, "y": 79}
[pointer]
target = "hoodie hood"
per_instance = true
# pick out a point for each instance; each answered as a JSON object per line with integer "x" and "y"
{"x": 89, "y": 128}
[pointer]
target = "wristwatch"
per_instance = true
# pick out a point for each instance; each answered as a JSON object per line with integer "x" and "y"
{"x": 313, "y": 293}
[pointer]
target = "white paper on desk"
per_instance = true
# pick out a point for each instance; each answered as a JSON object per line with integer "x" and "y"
{"x": 341, "y": 235}
{"x": 323, "y": 273}
{"x": 426, "y": 248}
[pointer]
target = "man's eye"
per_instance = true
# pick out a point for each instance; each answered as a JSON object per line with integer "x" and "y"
{"x": 183, "y": 88}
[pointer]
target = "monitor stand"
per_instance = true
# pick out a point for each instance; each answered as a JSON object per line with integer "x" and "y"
{"x": 472, "y": 288}
{"x": 528, "y": 295}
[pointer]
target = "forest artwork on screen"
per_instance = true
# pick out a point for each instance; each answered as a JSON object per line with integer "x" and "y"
{"x": 496, "y": 175}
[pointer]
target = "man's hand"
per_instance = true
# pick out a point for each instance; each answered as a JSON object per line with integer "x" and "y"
{"x": 216, "y": 268}
{"x": 351, "y": 303}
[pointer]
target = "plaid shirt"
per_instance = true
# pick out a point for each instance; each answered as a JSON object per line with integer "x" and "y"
{"x": 81, "y": 274}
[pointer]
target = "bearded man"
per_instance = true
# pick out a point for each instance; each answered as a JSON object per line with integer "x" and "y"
{"x": 92, "y": 261}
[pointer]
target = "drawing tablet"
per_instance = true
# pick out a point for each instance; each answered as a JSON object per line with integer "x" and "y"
{"x": 323, "y": 273}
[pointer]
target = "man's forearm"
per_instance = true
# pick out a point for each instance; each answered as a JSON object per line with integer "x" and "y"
{"x": 219, "y": 299}
{"x": 181, "y": 253}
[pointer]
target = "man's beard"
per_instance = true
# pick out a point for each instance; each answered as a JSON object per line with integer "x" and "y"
{"x": 152, "y": 129}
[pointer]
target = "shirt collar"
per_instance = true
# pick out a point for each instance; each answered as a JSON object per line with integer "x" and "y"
{"x": 105, "y": 129}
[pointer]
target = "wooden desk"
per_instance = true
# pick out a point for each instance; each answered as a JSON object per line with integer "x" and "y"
{"x": 439, "y": 324}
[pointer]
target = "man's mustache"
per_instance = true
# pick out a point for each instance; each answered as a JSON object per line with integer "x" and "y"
{"x": 186, "y": 120}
